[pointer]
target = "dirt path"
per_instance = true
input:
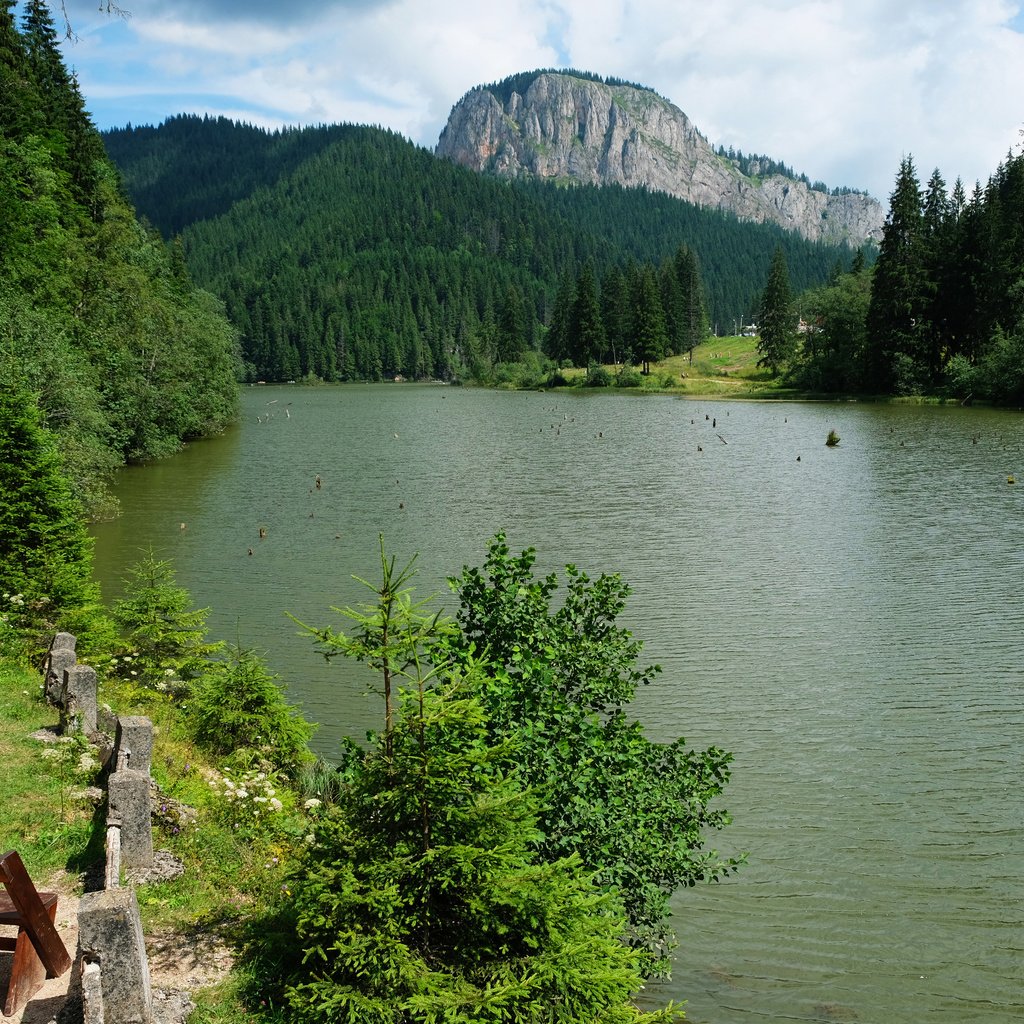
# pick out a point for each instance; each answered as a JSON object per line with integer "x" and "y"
{"x": 179, "y": 964}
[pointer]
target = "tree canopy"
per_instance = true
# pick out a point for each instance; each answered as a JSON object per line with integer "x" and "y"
{"x": 128, "y": 359}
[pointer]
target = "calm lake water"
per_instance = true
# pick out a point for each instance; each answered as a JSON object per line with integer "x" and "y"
{"x": 847, "y": 621}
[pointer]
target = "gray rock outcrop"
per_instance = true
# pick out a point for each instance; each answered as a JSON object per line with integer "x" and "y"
{"x": 564, "y": 128}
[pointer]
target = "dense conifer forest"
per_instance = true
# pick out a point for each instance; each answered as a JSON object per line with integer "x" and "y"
{"x": 345, "y": 252}
{"x": 100, "y": 324}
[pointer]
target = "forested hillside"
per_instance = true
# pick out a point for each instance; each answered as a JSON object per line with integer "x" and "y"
{"x": 346, "y": 252}
{"x": 100, "y": 324}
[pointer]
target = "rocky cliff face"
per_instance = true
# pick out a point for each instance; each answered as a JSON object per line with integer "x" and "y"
{"x": 572, "y": 129}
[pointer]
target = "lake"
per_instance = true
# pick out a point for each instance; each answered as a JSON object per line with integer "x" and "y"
{"x": 847, "y": 621}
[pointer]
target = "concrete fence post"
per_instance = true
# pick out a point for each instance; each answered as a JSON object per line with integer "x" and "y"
{"x": 110, "y": 934}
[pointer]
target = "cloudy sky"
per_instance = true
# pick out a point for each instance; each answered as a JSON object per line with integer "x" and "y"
{"x": 840, "y": 90}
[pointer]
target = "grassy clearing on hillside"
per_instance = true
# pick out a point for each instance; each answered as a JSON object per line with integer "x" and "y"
{"x": 721, "y": 367}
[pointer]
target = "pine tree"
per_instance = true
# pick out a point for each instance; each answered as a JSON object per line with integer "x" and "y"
{"x": 776, "y": 327}
{"x": 695, "y": 326}
{"x": 649, "y": 334}
{"x": 586, "y": 338}
{"x": 45, "y": 550}
{"x": 615, "y": 314}
{"x": 63, "y": 105}
{"x": 421, "y": 899}
{"x": 556, "y": 341}
{"x": 20, "y": 113}
{"x": 511, "y": 327}
{"x": 898, "y": 301}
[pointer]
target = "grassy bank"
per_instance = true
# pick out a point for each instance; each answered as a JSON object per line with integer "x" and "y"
{"x": 52, "y": 815}
{"x": 720, "y": 368}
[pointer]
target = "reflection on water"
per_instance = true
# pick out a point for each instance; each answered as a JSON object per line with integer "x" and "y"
{"x": 846, "y": 620}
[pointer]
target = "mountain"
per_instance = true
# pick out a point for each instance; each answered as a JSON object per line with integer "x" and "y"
{"x": 568, "y": 127}
{"x": 346, "y": 252}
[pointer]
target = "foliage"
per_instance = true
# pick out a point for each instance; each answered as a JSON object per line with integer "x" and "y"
{"x": 420, "y": 898}
{"x": 236, "y": 704}
{"x": 776, "y": 329}
{"x": 126, "y": 358}
{"x": 627, "y": 377}
{"x": 165, "y": 638}
{"x": 558, "y": 677}
{"x": 942, "y": 311}
{"x": 393, "y": 635}
{"x": 45, "y": 550}
{"x": 833, "y": 352}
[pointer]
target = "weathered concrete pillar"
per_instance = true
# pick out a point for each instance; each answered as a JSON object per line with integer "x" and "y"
{"x": 110, "y": 934}
{"x": 78, "y": 700}
{"x": 92, "y": 994}
{"x": 128, "y": 805}
{"x": 60, "y": 657}
{"x": 134, "y": 737}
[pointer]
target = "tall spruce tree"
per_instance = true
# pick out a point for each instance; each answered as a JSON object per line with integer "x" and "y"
{"x": 896, "y": 326}
{"x": 777, "y": 330}
{"x": 650, "y": 336}
{"x": 695, "y": 325}
{"x": 45, "y": 550}
{"x": 615, "y": 313}
{"x": 586, "y": 338}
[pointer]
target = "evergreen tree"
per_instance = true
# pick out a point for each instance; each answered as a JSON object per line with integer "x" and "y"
{"x": 615, "y": 314}
{"x": 776, "y": 327}
{"x": 695, "y": 322}
{"x": 20, "y": 105}
{"x": 45, "y": 550}
{"x": 938, "y": 247}
{"x": 511, "y": 327}
{"x": 421, "y": 899}
{"x": 649, "y": 333}
{"x": 586, "y": 338}
{"x": 898, "y": 303}
{"x": 556, "y": 341}
{"x": 63, "y": 106}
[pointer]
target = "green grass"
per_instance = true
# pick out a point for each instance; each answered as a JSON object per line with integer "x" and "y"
{"x": 721, "y": 368}
{"x": 231, "y": 870}
{"x": 42, "y": 818}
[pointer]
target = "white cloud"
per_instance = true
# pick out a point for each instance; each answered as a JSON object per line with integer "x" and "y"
{"x": 837, "y": 89}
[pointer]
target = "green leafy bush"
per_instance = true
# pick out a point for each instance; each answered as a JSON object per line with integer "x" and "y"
{"x": 597, "y": 377}
{"x": 628, "y": 377}
{"x": 556, "y": 675}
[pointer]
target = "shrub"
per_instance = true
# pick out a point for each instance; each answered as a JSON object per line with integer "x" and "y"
{"x": 420, "y": 898}
{"x": 597, "y": 377}
{"x": 237, "y": 704}
{"x": 165, "y": 638}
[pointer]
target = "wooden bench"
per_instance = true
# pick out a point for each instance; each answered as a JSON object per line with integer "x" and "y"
{"x": 39, "y": 951}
